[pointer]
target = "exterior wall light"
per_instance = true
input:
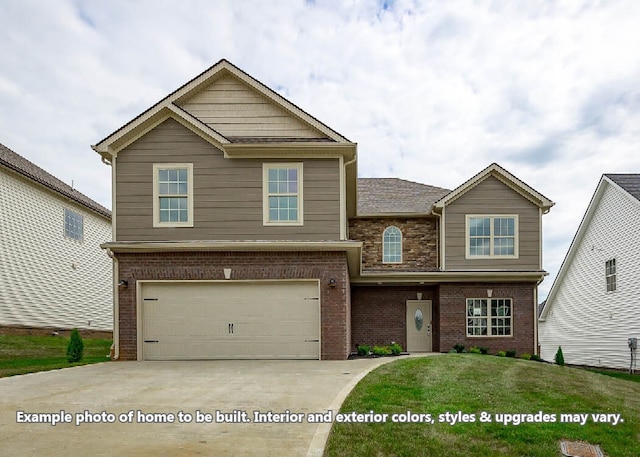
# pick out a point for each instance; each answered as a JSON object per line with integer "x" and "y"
{"x": 123, "y": 283}
{"x": 332, "y": 282}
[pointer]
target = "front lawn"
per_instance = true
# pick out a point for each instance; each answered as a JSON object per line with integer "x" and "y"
{"x": 20, "y": 354}
{"x": 469, "y": 384}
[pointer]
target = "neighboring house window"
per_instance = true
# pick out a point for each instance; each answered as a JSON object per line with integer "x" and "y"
{"x": 489, "y": 317}
{"x": 73, "y": 225}
{"x": 610, "y": 274}
{"x": 492, "y": 236}
{"x": 282, "y": 194}
{"x": 392, "y": 245}
{"x": 173, "y": 195}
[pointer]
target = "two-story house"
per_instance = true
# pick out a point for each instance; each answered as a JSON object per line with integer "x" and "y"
{"x": 242, "y": 231}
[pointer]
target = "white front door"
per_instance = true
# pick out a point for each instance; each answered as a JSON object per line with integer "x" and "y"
{"x": 419, "y": 325}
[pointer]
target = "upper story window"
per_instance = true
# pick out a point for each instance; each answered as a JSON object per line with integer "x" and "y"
{"x": 610, "y": 274}
{"x": 492, "y": 236}
{"x": 282, "y": 194}
{"x": 73, "y": 225}
{"x": 392, "y": 245}
{"x": 489, "y": 317}
{"x": 173, "y": 195}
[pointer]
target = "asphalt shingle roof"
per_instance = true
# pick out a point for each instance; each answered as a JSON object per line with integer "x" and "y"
{"x": 19, "y": 164}
{"x": 393, "y": 195}
{"x": 629, "y": 182}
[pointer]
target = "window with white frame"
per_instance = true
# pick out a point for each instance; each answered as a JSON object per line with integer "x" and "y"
{"x": 610, "y": 274}
{"x": 173, "y": 195}
{"x": 492, "y": 236}
{"x": 392, "y": 245}
{"x": 282, "y": 194}
{"x": 73, "y": 225}
{"x": 489, "y": 317}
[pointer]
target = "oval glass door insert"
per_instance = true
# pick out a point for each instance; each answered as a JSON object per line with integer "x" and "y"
{"x": 418, "y": 319}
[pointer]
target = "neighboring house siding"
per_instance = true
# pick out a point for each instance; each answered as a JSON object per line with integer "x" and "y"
{"x": 46, "y": 279}
{"x": 492, "y": 197}
{"x": 227, "y": 192}
{"x": 236, "y": 110}
{"x": 591, "y": 324}
{"x": 419, "y": 243}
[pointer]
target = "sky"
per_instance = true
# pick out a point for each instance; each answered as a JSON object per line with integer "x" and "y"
{"x": 432, "y": 91}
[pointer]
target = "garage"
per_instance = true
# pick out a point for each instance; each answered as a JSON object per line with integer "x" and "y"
{"x": 182, "y": 320}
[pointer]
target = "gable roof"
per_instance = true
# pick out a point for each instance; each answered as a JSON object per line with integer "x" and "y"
{"x": 379, "y": 196}
{"x": 32, "y": 172}
{"x": 168, "y": 107}
{"x": 629, "y": 182}
{"x": 624, "y": 182}
{"x": 503, "y": 176}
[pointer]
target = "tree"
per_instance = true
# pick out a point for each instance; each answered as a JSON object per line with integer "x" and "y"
{"x": 75, "y": 348}
{"x": 559, "y": 356}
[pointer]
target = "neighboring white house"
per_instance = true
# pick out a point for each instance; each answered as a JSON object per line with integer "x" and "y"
{"x": 52, "y": 270}
{"x": 593, "y": 307}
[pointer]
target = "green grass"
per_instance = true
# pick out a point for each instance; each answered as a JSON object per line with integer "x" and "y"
{"x": 473, "y": 384}
{"x": 28, "y": 354}
{"x": 619, "y": 374}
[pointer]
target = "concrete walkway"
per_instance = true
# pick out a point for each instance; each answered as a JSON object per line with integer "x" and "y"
{"x": 103, "y": 398}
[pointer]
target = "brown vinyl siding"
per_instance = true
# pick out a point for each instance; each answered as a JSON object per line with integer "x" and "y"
{"x": 492, "y": 197}
{"x": 227, "y": 192}
{"x": 235, "y": 110}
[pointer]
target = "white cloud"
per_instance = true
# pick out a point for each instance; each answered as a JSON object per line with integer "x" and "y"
{"x": 431, "y": 91}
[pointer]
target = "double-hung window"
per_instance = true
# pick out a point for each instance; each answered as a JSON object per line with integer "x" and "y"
{"x": 610, "y": 274}
{"x": 282, "y": 194}
{"x": 489, "y": 317}
{"x": 173, "y": 195}
{"x": 73, "y": 225}
{"x": 491, "y": 236}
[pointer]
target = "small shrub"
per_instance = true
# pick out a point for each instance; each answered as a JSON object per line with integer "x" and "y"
{"x": 75, "y": 347}
{"x": 511, "y": 353}
{"x": 474, "y": 350}
{"x": 395, "y": 348}
{"x": 559, "y": 356}
{"x": 363, "y": 350}
{"x": 535, "y": 357}
{"x": 459, "y": 348}
{"x": 381, "y": 350}
{"x": 501, "y": 354}
{"x": 452, "y": 351}
{"x": 483, "y": 350}
{"x": 525, "y": 356}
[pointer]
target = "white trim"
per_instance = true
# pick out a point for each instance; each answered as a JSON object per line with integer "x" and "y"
{"x": 442, "y": 240}
{"x": 343, "y": 199}
{"x": 139, "y": 317}
{"x": 113, "y": 198}
{"x": 265, "y": 193}
{"x": 516, "y": 240}
{"x": 156, "y": 195}
{"x": 383, "y": 245}
{"x": 488, "y": 317}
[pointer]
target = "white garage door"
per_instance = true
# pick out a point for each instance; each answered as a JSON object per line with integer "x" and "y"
{"x": 229, "y": 320}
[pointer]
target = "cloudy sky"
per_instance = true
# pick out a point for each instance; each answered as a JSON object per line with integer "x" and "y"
{"x": 432, "y": 91}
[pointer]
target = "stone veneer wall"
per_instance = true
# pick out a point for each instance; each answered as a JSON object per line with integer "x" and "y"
{"x": 335, "y": 307}
{"x": 419, "y": 243}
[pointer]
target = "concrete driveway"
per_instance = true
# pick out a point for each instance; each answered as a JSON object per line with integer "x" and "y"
{"x": 105, "y": 404}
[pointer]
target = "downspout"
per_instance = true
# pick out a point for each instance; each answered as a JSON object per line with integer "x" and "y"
{"x": 344, "y": 185}
{"x": 115, "y": 346}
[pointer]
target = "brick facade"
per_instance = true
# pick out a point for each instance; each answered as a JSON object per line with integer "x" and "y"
{"x": 335, "y": 302}
{"x": 378, "y": 314}
{"x": 453, "y": 321}
{"x": 419, "y": 243}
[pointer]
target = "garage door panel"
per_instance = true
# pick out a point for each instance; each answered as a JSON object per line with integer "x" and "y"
{"x": 204, "y": 320}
